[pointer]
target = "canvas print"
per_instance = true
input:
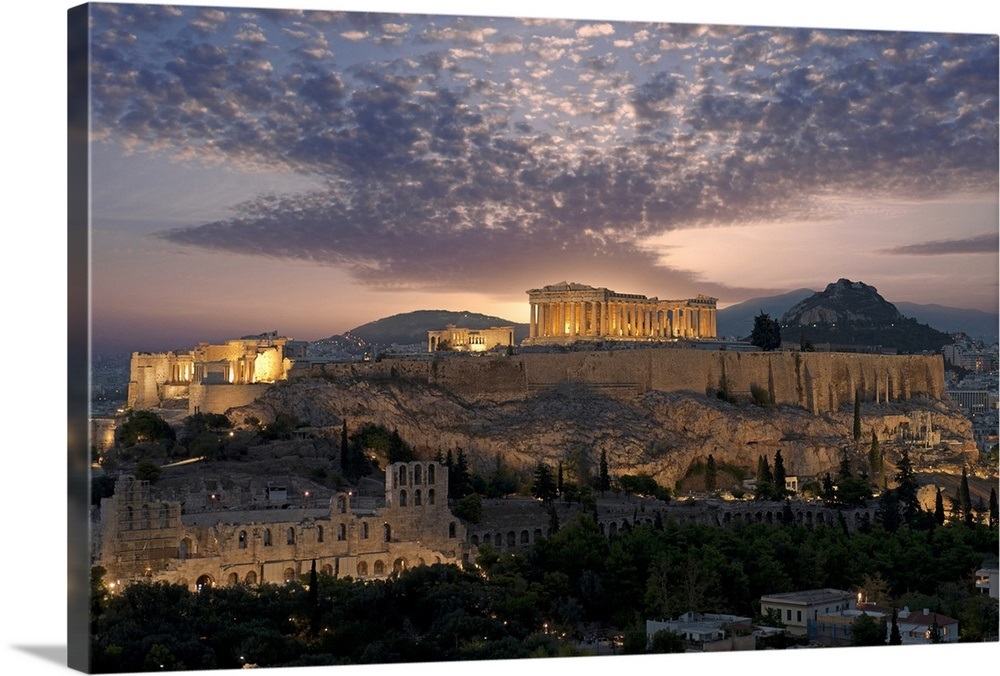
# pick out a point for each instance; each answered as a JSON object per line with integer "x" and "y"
{"x": 425, "y": 338}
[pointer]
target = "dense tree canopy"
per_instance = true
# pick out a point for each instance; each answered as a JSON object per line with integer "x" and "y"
{"x": 530, "y": 602}
{"x": 766, "y": 333}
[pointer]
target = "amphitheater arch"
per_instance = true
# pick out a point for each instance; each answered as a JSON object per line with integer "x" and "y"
{"x": 185, "y": 549}
{"x": 498, "y": 540}
{"x": 233, "y": 579}
{"x": 288, "y": 575}
{"x": 525, "y": 538}
{"x": 251, "y": 578}
{"x": 399, "y": 565}
{"x": 379, "y": 567}
{"x": 362, "y": 568}
{"x": 511, "y": 539}
{"x": 241, "y": 540}
{"x": 327, "y": 569}
{"x": 204, "y": 582}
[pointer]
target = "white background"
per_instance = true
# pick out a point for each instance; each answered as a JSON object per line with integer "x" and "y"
{"x": 32, "y": 377}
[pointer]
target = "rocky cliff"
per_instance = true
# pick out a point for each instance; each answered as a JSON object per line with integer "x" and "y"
{"x": 661, "y": 433}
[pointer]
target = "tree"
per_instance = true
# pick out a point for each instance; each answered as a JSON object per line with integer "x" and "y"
{"x": 469, "y": 508}
{"x": 866, "y": 630}
{"x": 965, "y": 498}
{"x": 779, "y": 477}
{"x": 605, "y": 477}
{"x": 710, "y": 473}
{"x": 543, "y": 486}
{"x": 766, "y": 333}
{"x": 895, "y": 637}
{"x": 559, "y": 479}
{"x": 939, "y": 508}
{"x": 765, "y": 480}
{"x": 875, "y": 461}
{"x": 993, "y": 508}
{"x": 147, "y": 470}
{"x": 344, "y": 446}
{"x": 142, "y": 426}
{"x": 666, "y": 641}
{"x": 906, "y": 487}
{"x": 857, "y": 417}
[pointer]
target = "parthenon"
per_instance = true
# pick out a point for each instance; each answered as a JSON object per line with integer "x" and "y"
{"x": 567, "y": 312}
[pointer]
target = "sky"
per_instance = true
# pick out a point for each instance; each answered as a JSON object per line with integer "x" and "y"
{"x": 310, "y": 171}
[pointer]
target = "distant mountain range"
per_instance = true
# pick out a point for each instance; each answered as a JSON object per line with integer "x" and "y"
{"x": 737, "y": 320}
{"x": 409, "y": 328}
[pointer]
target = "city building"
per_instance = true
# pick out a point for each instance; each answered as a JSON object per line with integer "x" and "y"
{"x": 708, "y": 632}
{"x": 800, "y": 610}
{"x": 567, "y": 312}
{"x": 987, "y": 581}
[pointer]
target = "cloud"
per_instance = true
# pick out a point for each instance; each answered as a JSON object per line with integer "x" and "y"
{"x": 536, "y": 141}
{"x": 980, "y": 244}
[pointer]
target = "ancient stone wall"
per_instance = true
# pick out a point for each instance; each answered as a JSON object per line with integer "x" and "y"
{"x": 145, "y": 538}
{"x": 818, "y": 382}
{"x": 221, "y": 398}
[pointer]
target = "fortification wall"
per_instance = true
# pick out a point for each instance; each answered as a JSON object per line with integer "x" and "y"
{"x": 818, "y": 382}
{"x": 220, "y": 398}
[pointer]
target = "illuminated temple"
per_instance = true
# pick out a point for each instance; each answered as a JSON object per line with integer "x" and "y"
{"x": 567, "y": 312}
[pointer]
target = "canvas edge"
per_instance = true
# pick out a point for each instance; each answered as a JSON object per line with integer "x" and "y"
{"x": 78, "y": 339}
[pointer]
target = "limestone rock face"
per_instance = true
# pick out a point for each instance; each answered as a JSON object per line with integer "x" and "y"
{"x": 660, "y": 433}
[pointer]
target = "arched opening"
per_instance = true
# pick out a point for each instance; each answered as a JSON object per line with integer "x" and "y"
{"x": 416, "y": 498}
{"x": 364, "y": 530}
{"x": 388, "y": 533}
{"x": 451, "y": 529}
{"x": 233, "y": 579}
{"x": 399, "y": 565}
{"x": 613, "y": 528}
{"x": 288, "y": 575}
{"x": 251, "y": 578}
{"x": 475, "y": 540}
{"x": 498, "y": 540}
{"x": 511, "y": 539}
{"x": 362, "y": 568}
{"x": 430, "y": 496}
{"x": 267, "y": 537}
{"x": 186, "y": 549}
{"x": 241, "y": 540}
{"x": 402, "y": 475}
{"x": 290, "y": 536}
{"x": 342, "y": 504}
{"x": 402, "y": 498}
{"x": 417, "y": 474}
{"x": 204, "y": 582}
{"x": 538, "y": 532}
{"x": 341, "y": 532}
{"x": 327, "y": 569}
{"x": 319, "y": 533}
{"x": 430, "y": 476}
{"x": 144, "y": 517}
{"x": 525, "y": 538}
{"x": 128, "y": 518}
{"x": 378, "y": 568}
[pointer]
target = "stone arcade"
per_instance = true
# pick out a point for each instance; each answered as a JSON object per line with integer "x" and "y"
{"x": 567, "y": 312}
{"x": 144, "y": 538}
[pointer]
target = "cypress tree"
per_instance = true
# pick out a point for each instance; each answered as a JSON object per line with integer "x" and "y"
{"x": 939, "y": 508}
{"x": 857, "y": 416}
{"x": 993, "y": 508}
{"x": 344, "y": 460}
{"x": 895, "y": 638}
{"x": 710, "y": 473}
{"x": 906, "y": 487}
{"x": 778, "y": 492}
{"x": 605, "y": 477}
{"x": 965, "y": 498}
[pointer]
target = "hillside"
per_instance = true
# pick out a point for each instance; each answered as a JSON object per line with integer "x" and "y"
{"x": 854, "y": 315}
{"x": 737, "y": 320}
{"x": 411, "y": 328}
